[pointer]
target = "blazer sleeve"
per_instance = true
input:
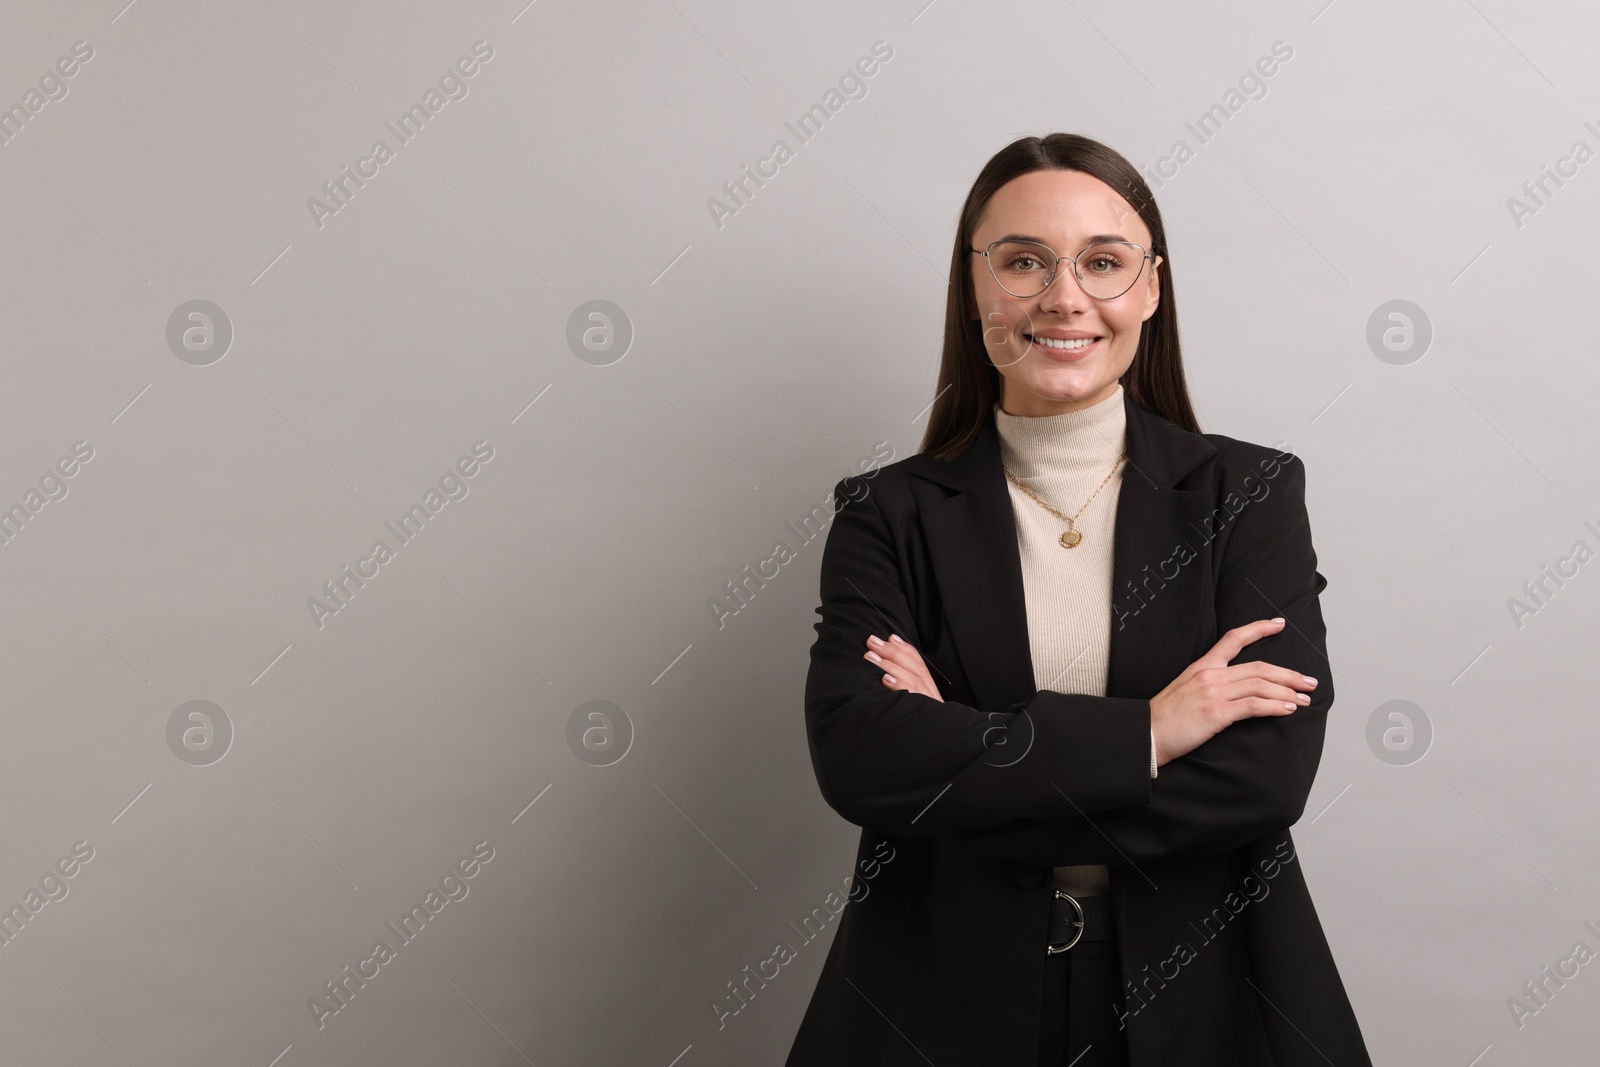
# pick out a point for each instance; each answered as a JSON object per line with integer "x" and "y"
{"x": 1253, "y": 777}
{"x": 911, "y": 766}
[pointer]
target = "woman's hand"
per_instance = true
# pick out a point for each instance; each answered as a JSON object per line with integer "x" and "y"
{"x": 1210, "y": 696}
{"x": 902, "y": 666}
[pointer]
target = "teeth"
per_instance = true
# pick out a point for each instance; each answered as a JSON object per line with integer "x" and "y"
{"x": 1050, "y": 342}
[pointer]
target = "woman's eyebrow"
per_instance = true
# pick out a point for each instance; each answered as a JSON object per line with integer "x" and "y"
{"x": 1095, "y": 239}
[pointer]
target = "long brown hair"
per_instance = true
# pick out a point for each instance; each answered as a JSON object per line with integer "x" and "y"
{"x": 969, "y": 384}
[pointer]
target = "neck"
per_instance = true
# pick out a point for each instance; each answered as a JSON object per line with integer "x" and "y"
{"x": 1071, "y": 443}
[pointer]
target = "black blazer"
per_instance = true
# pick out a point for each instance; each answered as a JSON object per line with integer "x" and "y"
{"x": 965, "y": 805}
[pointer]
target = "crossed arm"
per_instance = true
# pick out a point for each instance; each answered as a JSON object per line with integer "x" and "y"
{"x": 907, "y": 763}
{"x": 903, "y": 668}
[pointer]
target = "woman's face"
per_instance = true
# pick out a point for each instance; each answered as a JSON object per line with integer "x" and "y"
{"x": 1066, "y": 210}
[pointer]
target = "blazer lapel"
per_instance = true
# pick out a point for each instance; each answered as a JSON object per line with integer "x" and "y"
{"x": 1157, "y": 588}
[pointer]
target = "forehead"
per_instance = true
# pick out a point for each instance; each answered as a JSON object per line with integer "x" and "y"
{"x": 1060, "y": 208}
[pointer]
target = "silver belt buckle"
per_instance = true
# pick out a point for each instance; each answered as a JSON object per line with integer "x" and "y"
{"x": 1053, "y": 949}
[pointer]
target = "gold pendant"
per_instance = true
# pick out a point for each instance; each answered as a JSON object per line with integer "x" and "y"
{"x": 1070, "y": 539}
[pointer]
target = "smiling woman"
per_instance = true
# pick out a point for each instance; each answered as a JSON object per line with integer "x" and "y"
{"x": 1061, "y": 348}
{"x": 1070, "y": 787}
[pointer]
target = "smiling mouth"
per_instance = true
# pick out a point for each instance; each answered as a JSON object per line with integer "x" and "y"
{"x": 1062, "y": 346}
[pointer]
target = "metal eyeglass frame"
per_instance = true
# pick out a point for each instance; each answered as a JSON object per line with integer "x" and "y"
{"x": 1051, "y": 280}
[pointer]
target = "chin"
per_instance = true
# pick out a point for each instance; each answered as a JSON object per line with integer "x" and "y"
{"x": 1071, "y": 386}
{"x": 1075, "y": 396}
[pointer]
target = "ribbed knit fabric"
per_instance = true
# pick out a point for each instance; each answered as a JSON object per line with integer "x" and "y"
{"x": 1063, "y": 458}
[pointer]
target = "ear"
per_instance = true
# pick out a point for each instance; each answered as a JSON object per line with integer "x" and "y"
{"x": 1153, "y": 289}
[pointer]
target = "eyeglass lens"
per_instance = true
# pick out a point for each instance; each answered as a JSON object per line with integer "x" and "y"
{"x": 1025, "y": 269}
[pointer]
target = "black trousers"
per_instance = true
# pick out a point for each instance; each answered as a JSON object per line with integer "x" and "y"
{"x": 1078, "y": 1025}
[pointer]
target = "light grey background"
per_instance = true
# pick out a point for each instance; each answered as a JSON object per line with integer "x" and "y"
{"x": 769, "y": 356}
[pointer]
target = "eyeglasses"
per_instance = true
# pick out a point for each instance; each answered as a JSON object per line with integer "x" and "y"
{"x": 1026, "y": 268}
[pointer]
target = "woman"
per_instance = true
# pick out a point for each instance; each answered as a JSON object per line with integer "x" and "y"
{"x": 1071, "y": 680}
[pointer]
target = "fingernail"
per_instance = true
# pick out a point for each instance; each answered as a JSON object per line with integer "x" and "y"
{"x": 896, "y": 639}
{"x": 889, "y": 678}
{"x": 1308, "y": 679}
{"x": 1302, "y": 698}
{"x": 874, "y": 657}
{"x": 874, "y": 640}
{"x": 1278, "y": 619}
{"x": 1288, "y": 705}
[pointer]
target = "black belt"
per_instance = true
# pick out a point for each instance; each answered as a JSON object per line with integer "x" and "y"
{"x": 1074, "y": 919}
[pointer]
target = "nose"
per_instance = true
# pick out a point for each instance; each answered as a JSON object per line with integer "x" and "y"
{"x": 1064, "y": 294}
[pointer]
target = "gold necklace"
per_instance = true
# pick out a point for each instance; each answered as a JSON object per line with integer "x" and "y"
{"x": 1070, "y": 537}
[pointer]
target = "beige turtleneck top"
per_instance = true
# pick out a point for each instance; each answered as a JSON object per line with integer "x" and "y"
{"x": 1063, "y": 458}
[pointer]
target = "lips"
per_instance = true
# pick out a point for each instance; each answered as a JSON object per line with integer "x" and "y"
{"x": 1064, "y": 348}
